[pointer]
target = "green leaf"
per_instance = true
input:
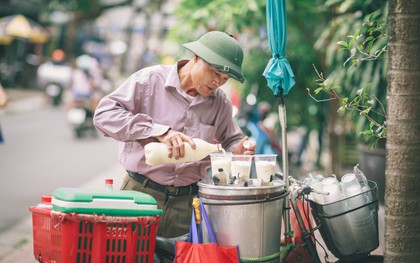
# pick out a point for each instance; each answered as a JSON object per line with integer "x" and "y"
{"x": 316, "y": 91}
{"x": 372, "y": 144}
{"x": 365, "y": 112}
{"x": 342, "y": 108}
{"x": 351, "y": 42}
{"x": 370, "y": 38}
{"x": 343, "y": 44}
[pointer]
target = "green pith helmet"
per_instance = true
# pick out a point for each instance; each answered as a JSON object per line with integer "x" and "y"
{"x": 221, "y": 51}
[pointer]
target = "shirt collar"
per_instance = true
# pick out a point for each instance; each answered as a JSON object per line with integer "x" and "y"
{"x": 173, "y": 78}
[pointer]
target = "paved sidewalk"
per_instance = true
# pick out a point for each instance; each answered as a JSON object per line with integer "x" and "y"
{"x": 23, "y": 100}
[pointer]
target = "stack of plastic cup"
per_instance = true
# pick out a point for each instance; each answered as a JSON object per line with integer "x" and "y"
{"x": 315, "y": 182}
{"x": 362, "y": 218}
{"x": 334, "y": 206}
{"x": 332, "y": 187}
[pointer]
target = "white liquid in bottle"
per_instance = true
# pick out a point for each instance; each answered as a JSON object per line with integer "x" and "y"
{"x": 109, "y": 184}
{"x": 157, "y": 152}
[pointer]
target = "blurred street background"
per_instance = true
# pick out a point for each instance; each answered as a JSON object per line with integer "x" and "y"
{"x": 44, "y": 42}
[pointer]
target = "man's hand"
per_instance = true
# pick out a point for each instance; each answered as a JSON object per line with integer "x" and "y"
{"x": 245, "y": 146}
{"x": 176, "y": 143}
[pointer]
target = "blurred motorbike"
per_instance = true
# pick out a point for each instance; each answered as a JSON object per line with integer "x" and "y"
{"x": 80, "y": 117}
{"x": 86, "y": 91}
{"x": 54, "y": 91}
{"x": 54, "y": 77}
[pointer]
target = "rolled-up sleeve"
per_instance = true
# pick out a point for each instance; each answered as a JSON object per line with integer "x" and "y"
{"x": 119, "y": 115}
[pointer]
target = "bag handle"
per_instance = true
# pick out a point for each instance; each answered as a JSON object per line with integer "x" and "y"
{"x": 196, "y": 234}
{"x": 193, "y": 235}
{"x": 207, "y": 222}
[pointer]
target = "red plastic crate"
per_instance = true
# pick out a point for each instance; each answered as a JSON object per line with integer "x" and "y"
{"x": 72, "y": 238}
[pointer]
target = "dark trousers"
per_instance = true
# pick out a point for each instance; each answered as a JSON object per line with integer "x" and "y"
{"x": 176, "y": 217}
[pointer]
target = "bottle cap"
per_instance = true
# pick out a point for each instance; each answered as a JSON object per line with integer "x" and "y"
{"x": 46, "y": 199}
{"x": 109, "y": 181}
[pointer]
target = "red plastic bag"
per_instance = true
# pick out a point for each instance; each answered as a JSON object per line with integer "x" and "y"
{"x": 187, "y": 252}
{"x": 195, "y": 251}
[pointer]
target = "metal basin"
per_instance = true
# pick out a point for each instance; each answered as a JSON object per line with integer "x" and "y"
{"x": 247, "y": 217}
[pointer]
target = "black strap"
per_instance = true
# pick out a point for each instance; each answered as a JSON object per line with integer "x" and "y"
{"x": 168, "y": 190}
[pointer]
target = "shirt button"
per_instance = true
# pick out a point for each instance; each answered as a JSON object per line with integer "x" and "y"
{"x": 176, "y": 176}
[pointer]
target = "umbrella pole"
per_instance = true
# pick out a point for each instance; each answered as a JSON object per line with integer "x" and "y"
{"x": 286, "y": 213}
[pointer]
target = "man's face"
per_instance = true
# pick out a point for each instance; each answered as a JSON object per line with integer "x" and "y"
{"x": 207, "y": 78}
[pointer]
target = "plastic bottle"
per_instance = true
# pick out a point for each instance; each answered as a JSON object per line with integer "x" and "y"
{"x": 157, "y": 152}
{"x": 109, "y": 184}
{"x": 45, "y": 202}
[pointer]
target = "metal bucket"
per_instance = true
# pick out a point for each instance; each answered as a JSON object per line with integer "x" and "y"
{"x": 247, "y": 217}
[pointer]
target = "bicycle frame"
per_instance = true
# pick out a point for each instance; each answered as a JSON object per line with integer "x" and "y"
{"x": 306, "y": 235}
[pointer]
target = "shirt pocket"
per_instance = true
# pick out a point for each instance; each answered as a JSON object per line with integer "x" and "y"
{"x": 207, "y": 132}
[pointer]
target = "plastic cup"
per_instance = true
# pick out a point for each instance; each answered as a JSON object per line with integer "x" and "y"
{"x": 331, "y": 186}
{"x": 315, "y": 182}
{"x": 350, "y": 185}
{"x": 241, "y": 169}
{"x": 265, "y": 165}
{"x": 221, "y": 162}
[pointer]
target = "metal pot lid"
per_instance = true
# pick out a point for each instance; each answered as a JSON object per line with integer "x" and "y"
{"x": 208, "y": 190}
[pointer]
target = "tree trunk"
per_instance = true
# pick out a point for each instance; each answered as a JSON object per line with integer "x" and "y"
{"x": 402, "y": 196}
{"x": 335, "y": 166}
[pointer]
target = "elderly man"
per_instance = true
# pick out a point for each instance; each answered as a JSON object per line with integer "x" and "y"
{"x": 173, "y": 104}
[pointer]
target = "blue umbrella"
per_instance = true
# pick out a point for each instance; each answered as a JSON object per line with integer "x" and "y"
{"x": 280, "y": 79}
{"x": 278, "y": 72}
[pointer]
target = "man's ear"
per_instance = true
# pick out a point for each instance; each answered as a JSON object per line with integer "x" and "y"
{"x": 196, "y": 58}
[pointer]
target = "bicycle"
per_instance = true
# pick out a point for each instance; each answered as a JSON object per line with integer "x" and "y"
{"x": 330, "y": 219}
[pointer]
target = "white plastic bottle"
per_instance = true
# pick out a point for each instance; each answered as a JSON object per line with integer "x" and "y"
{"x": 109, "y": 184}
{"x": 157, "y": 152}
{"x": 45, "y": 202}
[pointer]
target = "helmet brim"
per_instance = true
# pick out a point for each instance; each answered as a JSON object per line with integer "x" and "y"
{"x": 216, "y": 61}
